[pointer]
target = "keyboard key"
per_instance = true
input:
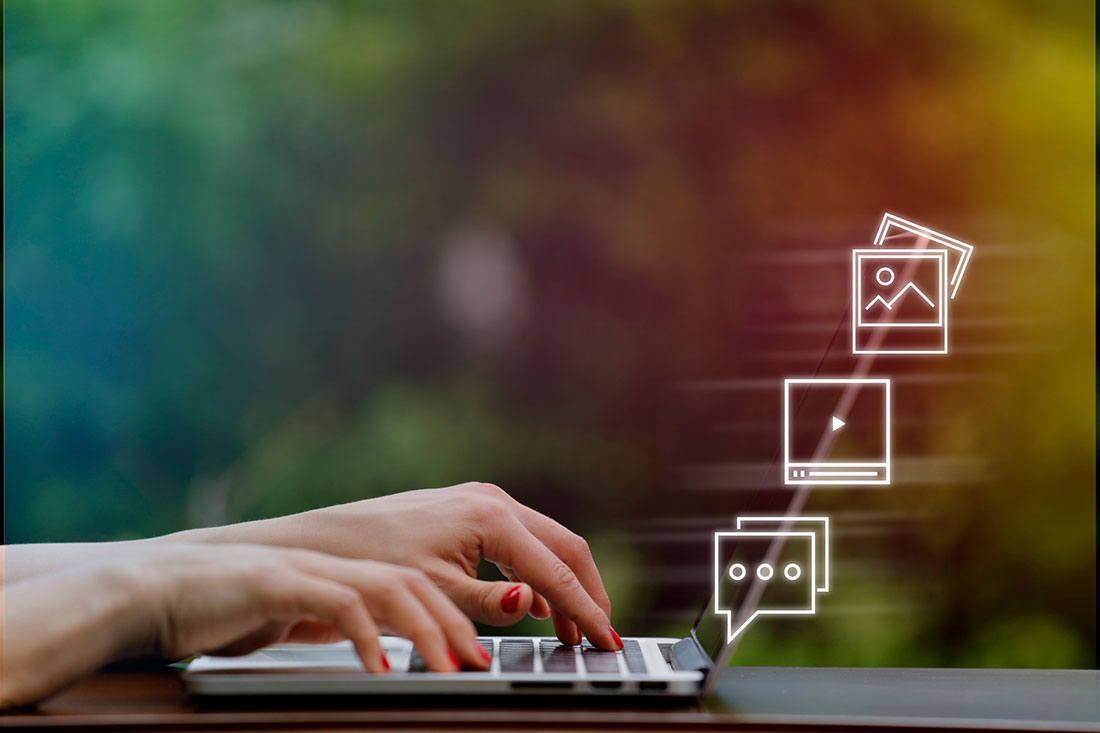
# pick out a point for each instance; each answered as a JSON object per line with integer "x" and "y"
{"x": 598, "y": 661}
{"x": 416, "y": 663}
{"x": 666, "y": 652}
{"x": 517, "y": 656}
{"x": 558, "y": 658}
{"x": 635, "y": 661}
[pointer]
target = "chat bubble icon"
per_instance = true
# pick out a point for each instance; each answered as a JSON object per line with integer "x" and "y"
{"x": 819, "y": 525}
{"x": 754, "y": 576}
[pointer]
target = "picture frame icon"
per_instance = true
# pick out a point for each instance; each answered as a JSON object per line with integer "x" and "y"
{"x": 902, "y": 288}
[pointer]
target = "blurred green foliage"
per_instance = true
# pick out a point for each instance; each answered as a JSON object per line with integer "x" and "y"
{"x": 224, "y": 225}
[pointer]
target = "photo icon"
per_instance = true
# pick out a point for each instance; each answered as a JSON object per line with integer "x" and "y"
{"x": 899, "y": 301}
{"x": 902, "y": 288}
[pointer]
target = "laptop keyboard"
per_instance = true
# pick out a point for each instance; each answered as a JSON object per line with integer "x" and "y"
{"x": 518, "y": 655}
{"x": 556, "y": 657}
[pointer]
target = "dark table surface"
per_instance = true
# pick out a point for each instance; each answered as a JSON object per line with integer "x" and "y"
{"x": 751, "y": 698}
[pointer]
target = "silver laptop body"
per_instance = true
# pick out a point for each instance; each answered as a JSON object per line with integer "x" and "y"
{"x": 521, "y": 665}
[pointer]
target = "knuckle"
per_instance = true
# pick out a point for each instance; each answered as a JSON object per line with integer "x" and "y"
{"x": 345, "y": 602}
{"x": 580, "y": 546}
{"x": 414, "y": 578}
{"x": 490, "y": 510}
{"x": 561, "y": 575}
{"x": 490, "y": 490}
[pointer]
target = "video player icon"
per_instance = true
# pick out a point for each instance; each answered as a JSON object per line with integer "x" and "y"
{"x": 836, "y": 431}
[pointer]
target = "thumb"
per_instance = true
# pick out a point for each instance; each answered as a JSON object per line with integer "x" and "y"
{"x": 500, "y": 603}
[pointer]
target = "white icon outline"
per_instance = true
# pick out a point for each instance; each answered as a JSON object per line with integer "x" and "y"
{"x": 783, "y": 521}
{"x": 891, "y": 227}
{"x": 731, "y": 634}
{"x": 858, "y": 307}
{"x": 893, "y": 221}
{"x": 820, "y": 472}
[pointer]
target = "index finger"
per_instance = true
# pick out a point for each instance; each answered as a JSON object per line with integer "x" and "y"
{"x": 570, "y": 547}
{"x": 511, "y": 543}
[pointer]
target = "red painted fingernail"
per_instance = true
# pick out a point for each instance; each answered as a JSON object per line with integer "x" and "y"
{"x": 510, "y": 602}
{"x": 615, "y": 637}
{"x": 483, "y": 654}
{"x": 385, "y": 663}
{"x": 453, "y": 658}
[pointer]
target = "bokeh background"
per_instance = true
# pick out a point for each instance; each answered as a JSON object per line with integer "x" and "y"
{"x": 262, "y": 256}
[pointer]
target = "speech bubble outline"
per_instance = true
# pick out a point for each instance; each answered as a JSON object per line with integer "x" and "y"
{"x": 730, "y": 633}
{"x": 783, "y": 521}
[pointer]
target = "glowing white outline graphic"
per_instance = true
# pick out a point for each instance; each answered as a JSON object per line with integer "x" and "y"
{"x": 783, "y": 521}
{"x": 835, "y": 473}
{"x": 889, "y": 304}
{"x": 891, "y": 226}
{"x": 965, "y": 250}
{"x": 858, "y": 309}
{"x": 730, "y": 633}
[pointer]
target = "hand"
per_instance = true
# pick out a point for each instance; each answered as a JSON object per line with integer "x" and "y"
{"x": 446, "y": 532}
{"x": 238, "y": 598}
{"x": 178, "y": 600}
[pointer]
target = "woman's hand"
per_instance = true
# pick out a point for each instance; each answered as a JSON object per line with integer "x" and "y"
{"x": 178, "y": 600}
{"x": 238, "y": 598}
{"x": 445, "y": 533}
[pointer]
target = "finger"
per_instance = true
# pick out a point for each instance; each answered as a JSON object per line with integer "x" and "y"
{"x": 461, "y": 634}
{"x": 540, "y": 609}
{"x": 310, "y": 631}
{"x": 567, "y": 632}
{"x": 500, "y": 603}
{"x": 402, "y": 611}
{"x": 510, "y": 542}
{"x": 406, "y": 616}
{"x": 570, "y": 547}
{"x": 341, "y": 607}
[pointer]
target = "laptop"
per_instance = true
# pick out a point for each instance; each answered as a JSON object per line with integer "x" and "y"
{"x": 526, "y": 665}
{"x": 521, "y": 665}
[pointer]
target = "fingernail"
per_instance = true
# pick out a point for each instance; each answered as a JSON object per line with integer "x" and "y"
{"x": 454, "y": 659}
{"x": 483, "y": 654}
{"x": 510, "y": 602}
{"x": 385, "y": 663}
{"x": 615, "y": 637}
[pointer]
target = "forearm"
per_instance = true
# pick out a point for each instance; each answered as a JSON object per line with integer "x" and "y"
{"x": 276, "y": 532}
{"x": 61, "y": 626}
{"x": 21, "y": 562}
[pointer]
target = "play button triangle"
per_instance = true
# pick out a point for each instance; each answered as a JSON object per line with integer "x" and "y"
{"x": 837, "y": 423}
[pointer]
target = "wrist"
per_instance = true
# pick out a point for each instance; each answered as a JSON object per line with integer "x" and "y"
{"x": 63, "y": 625}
